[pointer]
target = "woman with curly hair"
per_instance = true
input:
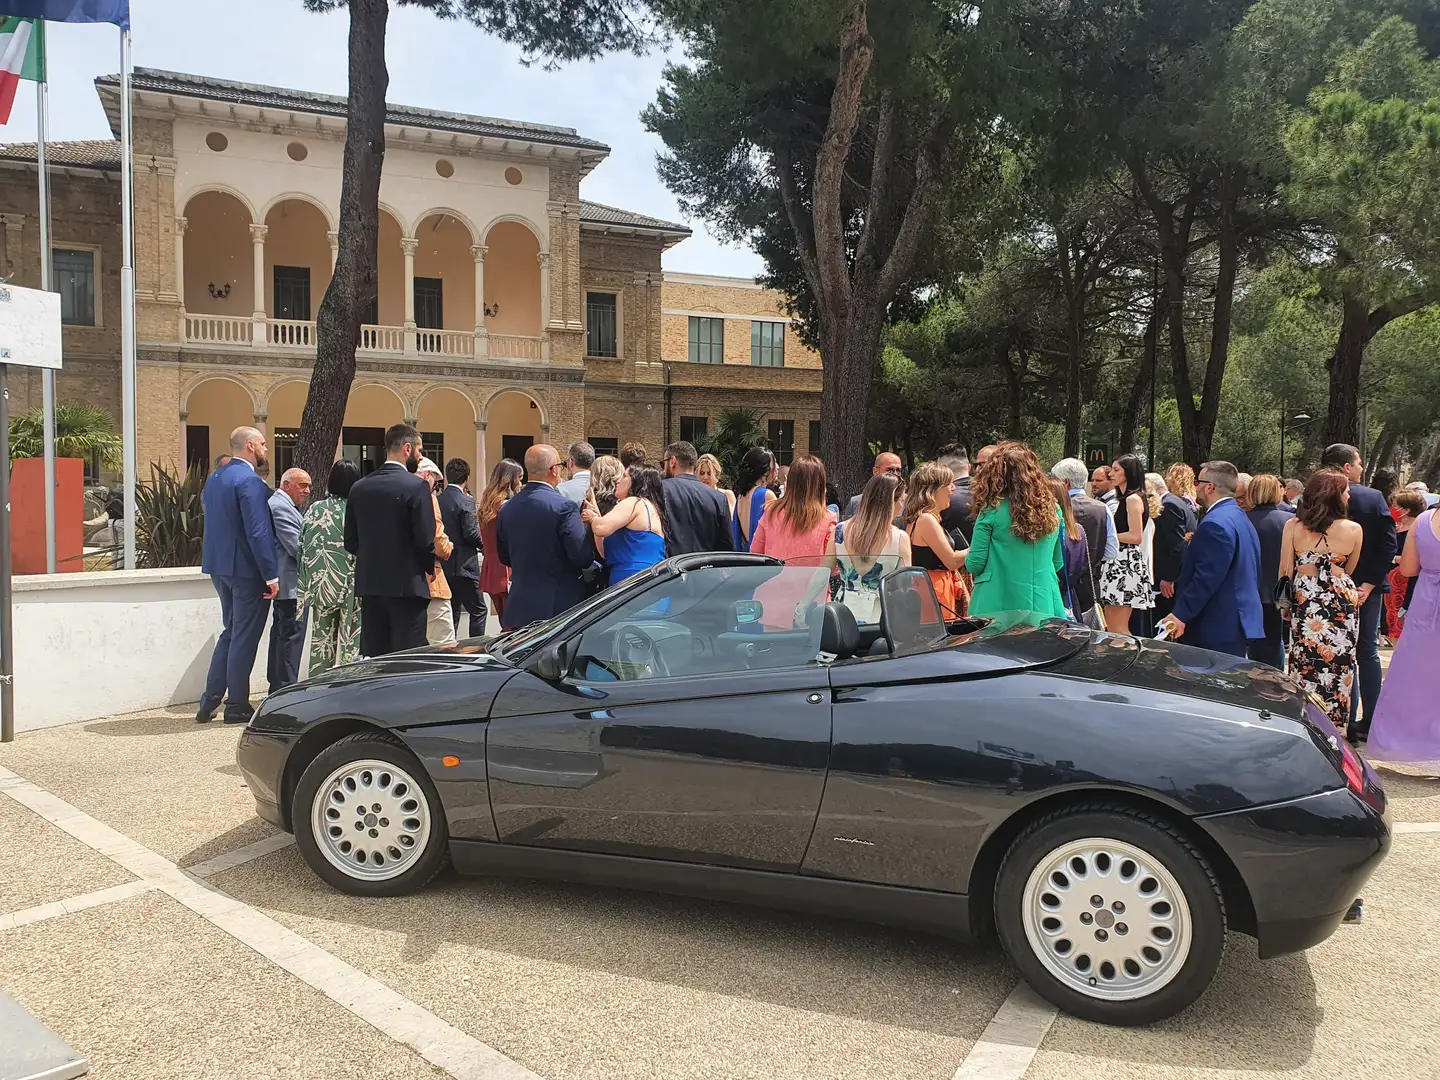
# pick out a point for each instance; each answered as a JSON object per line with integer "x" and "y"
{"x": 1015, "y": 552}
{"x": 1180, "y": 479}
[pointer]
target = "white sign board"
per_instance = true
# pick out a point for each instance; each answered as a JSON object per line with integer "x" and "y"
{"x": 29, "y": 327}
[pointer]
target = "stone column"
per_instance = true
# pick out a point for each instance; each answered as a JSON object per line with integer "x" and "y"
{"x": 257, "y": 236}
{"x": 180, "y": 224}
{"x": 482, "y": 474}
{"x": 547, "y": 312}
{"x": 482, "y": 342}
{"x": 261, "y": 419}
{"x": 169, "y": 291}
{"x": 409, "y": 244}
{"x": 334, "y": 238}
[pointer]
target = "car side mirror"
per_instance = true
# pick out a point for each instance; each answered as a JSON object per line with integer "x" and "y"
{"x": 748, "y": 611}
{"x": 552, "y": 663}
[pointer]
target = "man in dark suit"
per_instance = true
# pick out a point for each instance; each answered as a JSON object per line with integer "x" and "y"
{"x": 885, "y": 462}
{"x": 390, "y": 529}
{"x": 240, "y": 556}
{"x": 541, "y": 538}
{"x": 1217, "y": 597}
{"x": 462, "y": 569}
{"x": 1370, "y": 511}
{"x": 1101, "y": 540}
{"x": 1173, "y": 529}
{"x": 958, "y": 519}
{"x": 699, "y": 515}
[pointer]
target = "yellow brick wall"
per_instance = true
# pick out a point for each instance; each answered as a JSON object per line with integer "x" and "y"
{"x": 682, "y": 296}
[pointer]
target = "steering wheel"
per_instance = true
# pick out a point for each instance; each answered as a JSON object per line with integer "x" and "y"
{"x": 634, "y": 647}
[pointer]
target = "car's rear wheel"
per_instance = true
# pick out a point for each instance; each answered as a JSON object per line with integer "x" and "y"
{"x": 1111, "y": 914}
{"x": 367, "y": 818}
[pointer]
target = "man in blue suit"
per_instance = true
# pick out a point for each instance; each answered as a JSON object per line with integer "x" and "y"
{"x": 1371, "y": 575}
{"x": 1217, "y": 597}
{"x": 240, "y": 557}
{"x": 541, "y": 538}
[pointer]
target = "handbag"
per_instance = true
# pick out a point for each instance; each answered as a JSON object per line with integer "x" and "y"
{"x": 1094, "y": 618}
{"x": 1284, "y": 595}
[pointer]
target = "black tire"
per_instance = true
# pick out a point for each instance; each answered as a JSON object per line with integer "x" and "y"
{"x": 361, "y": 746}
{"x": 1159, "y": 840}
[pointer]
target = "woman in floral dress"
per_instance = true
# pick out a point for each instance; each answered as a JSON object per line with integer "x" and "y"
{"x": 327, "y": 575}
{"x": 1320, "y": 548}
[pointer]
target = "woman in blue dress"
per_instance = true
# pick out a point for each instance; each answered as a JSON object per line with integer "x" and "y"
{"x": 631, "y": 537}
{"x": 757, "y": 469}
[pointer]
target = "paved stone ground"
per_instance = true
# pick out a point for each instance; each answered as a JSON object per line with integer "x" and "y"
{"x": 261, "y": 971}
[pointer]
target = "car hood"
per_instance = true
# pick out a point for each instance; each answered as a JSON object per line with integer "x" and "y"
{"x": 422, "y": 686}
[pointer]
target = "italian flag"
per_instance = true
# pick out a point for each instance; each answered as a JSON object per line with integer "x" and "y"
{"x": 22, "y": 56}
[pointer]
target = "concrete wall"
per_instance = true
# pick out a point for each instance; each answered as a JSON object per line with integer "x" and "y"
{"x": 99, "y": 644}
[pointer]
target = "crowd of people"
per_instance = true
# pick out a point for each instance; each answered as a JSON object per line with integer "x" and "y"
{"x": 1303, "y": 576}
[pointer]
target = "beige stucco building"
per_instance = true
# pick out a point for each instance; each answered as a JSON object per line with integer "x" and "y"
{"x": 509, "y": 311}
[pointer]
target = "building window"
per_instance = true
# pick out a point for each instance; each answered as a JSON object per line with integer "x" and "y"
{"x": 694, "y": 428}
{"x": 814, "y": 438}
{"x": 514, "y": 446}
{"x": 782, "y": 440}
{"x": 72, "y": 275}
{"x": 605, "y": 446}
{"x": 292, "y": 293}
{"x": 601, "y": 322}
{"x": 433, "y": 443}
{"x": 429, "y": 303}
{"x": 707, "y": 340}
{"x": 767, "y": 344}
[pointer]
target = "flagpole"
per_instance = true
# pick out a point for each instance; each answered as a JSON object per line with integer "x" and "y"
{"x": 47, "y": 379}
{"x": 127, "y": 304}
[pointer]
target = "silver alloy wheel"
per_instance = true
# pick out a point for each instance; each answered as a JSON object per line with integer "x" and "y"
{"x": 1107, "y": 919}
{"x": 370, "y": 819}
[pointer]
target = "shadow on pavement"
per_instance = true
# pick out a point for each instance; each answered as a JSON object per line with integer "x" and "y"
{"x": 251, "y": 831}
{"x": 870, "y": 973}
{"x": 1258, "y": 1015}
{"x": 172, "y": 720}
{"x": 1407, "y": 785}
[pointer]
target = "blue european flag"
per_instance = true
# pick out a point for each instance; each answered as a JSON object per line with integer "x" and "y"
{"x": 73, "y": 11}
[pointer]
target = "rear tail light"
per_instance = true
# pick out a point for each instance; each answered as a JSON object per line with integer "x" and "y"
{"x": 1354, "y": 771}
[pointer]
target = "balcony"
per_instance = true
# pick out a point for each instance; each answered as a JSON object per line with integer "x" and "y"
{"x": 299, "y": 334}
{"x": 255, "y": 279}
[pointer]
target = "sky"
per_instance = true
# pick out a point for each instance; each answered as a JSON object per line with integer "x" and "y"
{"x": 450, "y": 66}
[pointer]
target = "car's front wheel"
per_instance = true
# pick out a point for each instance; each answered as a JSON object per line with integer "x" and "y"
{"x": 1111, "y": 914}
{"x": 367, "y": 818}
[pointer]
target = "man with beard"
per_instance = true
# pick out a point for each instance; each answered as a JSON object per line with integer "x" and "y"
{"x": 240, "y": 556}
{"x": 390, "y": 529}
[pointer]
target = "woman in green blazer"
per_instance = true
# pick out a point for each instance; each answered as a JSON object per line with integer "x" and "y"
{"x": 1015, "y": 552}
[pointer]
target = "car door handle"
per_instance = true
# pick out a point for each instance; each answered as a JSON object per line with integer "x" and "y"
{"x": 815, "y": 699}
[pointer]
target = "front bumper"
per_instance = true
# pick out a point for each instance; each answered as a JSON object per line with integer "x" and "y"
{"x": 261, "y": 757}
{"x": 1303, "y": 862}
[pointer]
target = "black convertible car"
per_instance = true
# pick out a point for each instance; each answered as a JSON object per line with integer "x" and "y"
{"x": 713, "y": 727}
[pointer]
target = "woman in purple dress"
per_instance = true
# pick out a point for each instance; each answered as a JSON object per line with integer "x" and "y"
{"x": 1407, "y": 721}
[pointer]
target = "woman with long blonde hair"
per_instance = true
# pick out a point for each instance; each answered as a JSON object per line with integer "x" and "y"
{"x": 927, "y": 496}
{"x": 869, "y": 546}
{"x": 605, "y": 474}
{"x": 711, "y": 475}
{"x": 505, "y": 480}
{"x": 1015, "y": 553}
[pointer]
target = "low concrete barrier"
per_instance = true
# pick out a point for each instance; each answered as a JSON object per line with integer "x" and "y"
{"x": 98, "y": 644}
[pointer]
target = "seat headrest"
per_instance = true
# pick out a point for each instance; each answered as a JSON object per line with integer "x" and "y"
{"x": 839, "y": 632}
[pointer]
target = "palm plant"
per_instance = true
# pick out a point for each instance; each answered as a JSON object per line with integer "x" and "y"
{"x": 171, "y": 519}
{"x": 80, "y": 431}
{"x": 737, "y": 429}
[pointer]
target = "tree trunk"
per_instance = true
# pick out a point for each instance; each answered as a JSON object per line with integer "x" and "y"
{"x": 1074, "y": 342}
{"x": 1342, "y": 424}
{"x": 1130, "y": 434}
{"x": 1383, "y": 451}
{"x": 1228, "y": 266}
{"x": 353, "y": 285}
{"x": 845, "y": 394}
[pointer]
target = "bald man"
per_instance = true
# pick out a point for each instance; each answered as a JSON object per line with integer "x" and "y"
{"x": 540, "y": 536}
{"x": 287, "y": 623}
{"x": 885, "y": 462}
{"x": 985, "y": 454}
{"x": 240, "y": 556}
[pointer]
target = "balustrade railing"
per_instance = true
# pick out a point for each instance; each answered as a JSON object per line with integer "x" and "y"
{"x": 219, "y": 329}
{"x": 510, "y": 347}
{"x": 291, "y": 332}
{"x": 382, "y": 338}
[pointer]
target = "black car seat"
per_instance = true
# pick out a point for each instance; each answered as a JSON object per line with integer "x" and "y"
{"x": 839, "y": 632}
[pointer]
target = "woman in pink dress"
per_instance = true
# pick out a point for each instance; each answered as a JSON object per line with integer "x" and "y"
{"x": 1407, "y": 719}
{"x": 796, "y": 526}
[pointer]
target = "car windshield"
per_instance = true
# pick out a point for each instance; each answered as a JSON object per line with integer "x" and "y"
{"x": 514, "y": 646}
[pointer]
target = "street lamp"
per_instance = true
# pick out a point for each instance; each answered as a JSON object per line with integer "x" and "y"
{"x": 1300, "y": 419}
